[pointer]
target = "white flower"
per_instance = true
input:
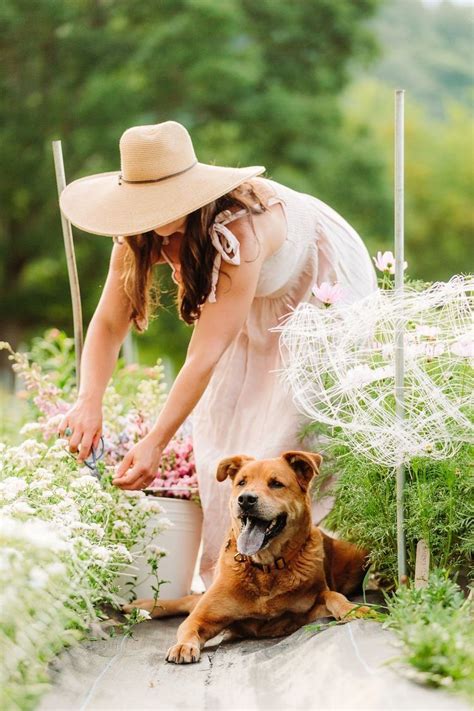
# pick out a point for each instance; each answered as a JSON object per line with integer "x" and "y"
{"x": 122, "y": 527}
{"x": 43, "y": 473}
{"x": 38, "y": 577}
{"x": 101, "y": 554}
{"x": 386, "y": 262}
{"x": 30, "y": 427}
{"x": 22, "y": 507}
{"x": 34, "y": 532}
{"x": 464, "y": 346}
{"x": 56, "y": 569}
{"x": 134, "y": 493}
{"x": 40, "y": 484}
{"x": 123, "y": 551}
{"x": 97, "y": 529}
{"x": 166, "y": 522}
{"x": 156, "y": 550}
{"x": 12, "y": 486}
{"x": 433, "y": 349}
{"x": 357, "y": 376}
{"x": 151, "y": 505}
{"x": 142, "y": 615}
{"x": 84, "y": 481}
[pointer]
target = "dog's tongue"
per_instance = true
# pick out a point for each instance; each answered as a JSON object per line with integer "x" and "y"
{"x": 251, "y": 537}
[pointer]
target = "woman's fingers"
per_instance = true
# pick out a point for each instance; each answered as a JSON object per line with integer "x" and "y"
{"x": 62, "y": 426}
{"x": 134, "y": 478}
{"x": 85, "y": 447}
{"x": 140, "y": 483}
{"x": 75, "y": 439}
{"x": 123, "y": 467}
{"x": 130, "y": 477}
{"x": 96, "y": 440}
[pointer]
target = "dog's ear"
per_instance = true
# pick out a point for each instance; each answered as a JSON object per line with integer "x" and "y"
{"x": 304, "y": 464}
{"x": 229, "y": 466}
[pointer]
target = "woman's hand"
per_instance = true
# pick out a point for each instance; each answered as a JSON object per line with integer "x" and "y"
{"x": 139, "y": 467}
{"x": 85, "y": 420}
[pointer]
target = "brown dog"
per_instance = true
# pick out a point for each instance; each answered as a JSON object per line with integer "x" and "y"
{"x": 277, "y": 571}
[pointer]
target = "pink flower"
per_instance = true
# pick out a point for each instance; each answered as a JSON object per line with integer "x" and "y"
{"x": 328, "y": 293}
{"x": 427, "y": 331}
{"x": 131, "y": 367}
{"x": 386, "y": 262}
{"x": 464, "y": 346}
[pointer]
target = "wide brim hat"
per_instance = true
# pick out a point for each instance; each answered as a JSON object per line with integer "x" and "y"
{"x": 160, "y": 181}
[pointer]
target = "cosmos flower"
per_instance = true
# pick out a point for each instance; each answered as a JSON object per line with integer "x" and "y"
{"x": 328, "y": 293}
{"x": 385, "y": 262}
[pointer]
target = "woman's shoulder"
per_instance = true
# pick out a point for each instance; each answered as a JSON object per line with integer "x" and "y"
{"x": 269, "y": 225}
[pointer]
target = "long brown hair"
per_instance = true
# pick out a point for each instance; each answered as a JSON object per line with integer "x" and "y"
{"x": 196, "y": 257}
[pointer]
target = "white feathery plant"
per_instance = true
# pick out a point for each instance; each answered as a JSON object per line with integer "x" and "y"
{"x": 339, "y": 363}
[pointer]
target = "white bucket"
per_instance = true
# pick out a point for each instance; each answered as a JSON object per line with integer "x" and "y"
{"x": 181, "y": 541}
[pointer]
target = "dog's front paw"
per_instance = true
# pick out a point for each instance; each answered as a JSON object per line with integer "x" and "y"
{"x": 185, "y": 653}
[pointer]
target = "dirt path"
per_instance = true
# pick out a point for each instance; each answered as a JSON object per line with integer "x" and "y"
{"x": 340, "y": 667}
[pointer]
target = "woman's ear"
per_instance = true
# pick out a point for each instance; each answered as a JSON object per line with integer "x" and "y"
{"x": 304, "y": 464}
{"x": 229, "y": 466}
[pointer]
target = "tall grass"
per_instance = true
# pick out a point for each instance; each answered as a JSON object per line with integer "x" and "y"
{"x": 439, "y": 508}
{"x": 435, "y": 625}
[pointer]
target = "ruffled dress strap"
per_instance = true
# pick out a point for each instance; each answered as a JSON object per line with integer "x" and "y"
{"x": 167, "y": 259}
{"x": 226, "y": 243}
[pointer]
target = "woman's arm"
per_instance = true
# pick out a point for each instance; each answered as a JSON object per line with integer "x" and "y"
{"x": 106, "y": 333}
{"x": 217, "y": 326}
{"x": 107, "y": 330}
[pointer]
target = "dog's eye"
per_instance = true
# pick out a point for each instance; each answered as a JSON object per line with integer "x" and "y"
{"x": 275, "y": 484}
{"x": 241, "y": 482}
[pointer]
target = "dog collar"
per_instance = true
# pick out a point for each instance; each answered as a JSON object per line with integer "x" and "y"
{"x": 278, "y": 563}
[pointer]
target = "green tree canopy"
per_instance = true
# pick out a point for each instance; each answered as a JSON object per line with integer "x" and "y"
{"x": 253, "y": 82}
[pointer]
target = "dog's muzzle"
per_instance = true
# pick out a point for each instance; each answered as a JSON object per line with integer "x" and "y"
{"x": 247, "y": 501}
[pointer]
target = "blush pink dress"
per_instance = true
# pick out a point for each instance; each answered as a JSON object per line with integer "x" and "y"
{"x": 246, "y": 409}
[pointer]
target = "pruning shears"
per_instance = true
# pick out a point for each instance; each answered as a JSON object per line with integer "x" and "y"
{"x": 94, "y": 457}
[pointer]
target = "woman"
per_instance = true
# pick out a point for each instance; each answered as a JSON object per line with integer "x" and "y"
{"x": 244, "y": 251}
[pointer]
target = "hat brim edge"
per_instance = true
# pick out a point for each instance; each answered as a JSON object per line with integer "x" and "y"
{"x": 248, "y": 172}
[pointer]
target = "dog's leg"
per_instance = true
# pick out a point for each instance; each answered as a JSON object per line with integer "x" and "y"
{"x": 165, "y": 608}
{"x": 209, "y": 617}
{"x": 339, "y": 606}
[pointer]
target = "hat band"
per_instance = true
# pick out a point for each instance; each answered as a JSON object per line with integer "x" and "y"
{"x": 121, "y": 179}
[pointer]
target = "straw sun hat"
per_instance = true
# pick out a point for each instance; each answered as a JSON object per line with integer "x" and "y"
{"x": 160, "y": 181}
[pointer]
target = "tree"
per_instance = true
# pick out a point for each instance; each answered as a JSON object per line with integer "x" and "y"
{"x": 254, "y": 83}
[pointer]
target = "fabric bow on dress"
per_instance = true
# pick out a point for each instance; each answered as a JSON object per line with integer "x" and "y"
{"x": 227, "y": 246}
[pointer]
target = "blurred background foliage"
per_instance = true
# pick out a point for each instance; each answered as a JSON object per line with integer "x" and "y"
{"x": 304, "y": 88}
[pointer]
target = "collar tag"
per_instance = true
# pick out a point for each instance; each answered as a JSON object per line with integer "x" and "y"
{"x": 278, "y": 563}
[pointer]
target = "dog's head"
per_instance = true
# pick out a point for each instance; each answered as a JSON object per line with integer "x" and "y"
{"x": 269, "y": 501}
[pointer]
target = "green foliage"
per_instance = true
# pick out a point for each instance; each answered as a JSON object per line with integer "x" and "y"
{"x": 427, "y": 51}
{"x": 439, "y": 180}
{"x": 252, "y": 82}
{"x": 438, "y": 501}
{"x": 266, "y": 88}
{"x": 434, "y": 624}
{"x": 64, "y": 540}
{"x": 54, "y": 353}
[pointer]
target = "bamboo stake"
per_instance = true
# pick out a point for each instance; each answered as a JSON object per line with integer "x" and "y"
{"x": 71, "y": 261}
{"x": 399, "y": 331}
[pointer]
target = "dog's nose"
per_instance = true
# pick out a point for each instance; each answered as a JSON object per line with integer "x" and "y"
{"x": 246, "y": 501}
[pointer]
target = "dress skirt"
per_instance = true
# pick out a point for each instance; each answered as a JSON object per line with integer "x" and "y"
{"x": 246, "y": 408}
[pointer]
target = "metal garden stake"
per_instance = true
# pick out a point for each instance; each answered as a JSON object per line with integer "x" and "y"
{"x": 71, "y": 261}
{"x": 399, "y": 331}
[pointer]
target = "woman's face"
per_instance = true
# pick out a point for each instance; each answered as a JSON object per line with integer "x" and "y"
{"x": 178, "y": 226}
